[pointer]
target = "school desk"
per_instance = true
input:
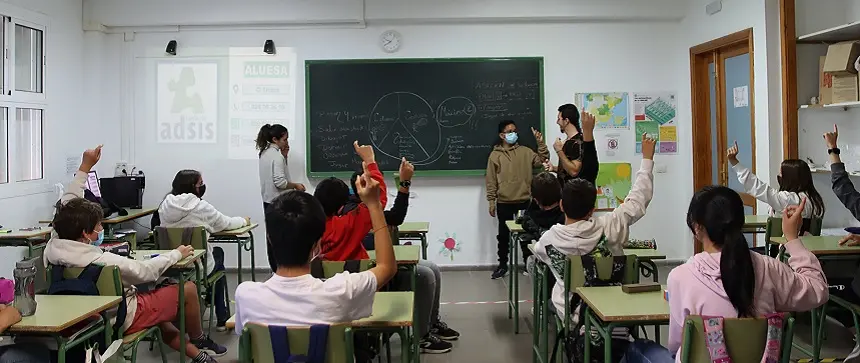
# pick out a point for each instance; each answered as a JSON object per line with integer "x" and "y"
{"x": 415, "y": 231}
{"x": 243, "y": 237}
{"x": 392, "y": 311}
{"x": 55, "y": 313}
{"x": 35, "y": 241}
{"x": 822, "y": 246}
{"x": 755, "y": 223}
{"x": 181, "y": 268}
{"x": 646, "y": 258}
{"x": 607, "y": 307}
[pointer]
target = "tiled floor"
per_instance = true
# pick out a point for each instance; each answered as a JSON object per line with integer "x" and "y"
{"x": 487, "y": 333}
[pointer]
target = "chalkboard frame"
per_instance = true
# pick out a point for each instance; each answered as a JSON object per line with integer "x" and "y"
{"x": 422, "y": 173}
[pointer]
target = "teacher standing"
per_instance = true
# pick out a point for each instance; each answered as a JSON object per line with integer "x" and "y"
{"x": 274, "y": 174}
{"x": 577, "y": 154}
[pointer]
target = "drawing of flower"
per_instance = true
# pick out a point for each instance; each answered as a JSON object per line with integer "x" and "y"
{"x": 449, "y": 245}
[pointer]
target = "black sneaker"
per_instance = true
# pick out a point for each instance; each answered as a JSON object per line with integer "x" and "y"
{"x": 441, "y": 330}
{"x": 433, "y": 345}
{"x": 500, "y": 271}
{"x": 210, "y": 347}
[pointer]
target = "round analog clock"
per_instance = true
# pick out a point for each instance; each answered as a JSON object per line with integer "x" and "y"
{"x": 390, "y": 41}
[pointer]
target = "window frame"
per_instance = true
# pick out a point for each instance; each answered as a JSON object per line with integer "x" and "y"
{"x": 12, "y": 100}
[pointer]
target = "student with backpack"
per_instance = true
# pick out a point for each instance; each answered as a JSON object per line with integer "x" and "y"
{"x": 730, "y": 281}
{"x": 77, "y": 234}
{"x": 543, "y": 212}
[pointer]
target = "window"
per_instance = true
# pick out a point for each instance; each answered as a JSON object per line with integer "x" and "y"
{"x": 4, "y": 146}
{"x": 29, "y": 125}
{"x": 28, "y": 59}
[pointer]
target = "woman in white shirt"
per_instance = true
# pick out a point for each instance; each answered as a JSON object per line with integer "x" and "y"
{"x": 274, "y": 175}
{"x": 184, "y": 207}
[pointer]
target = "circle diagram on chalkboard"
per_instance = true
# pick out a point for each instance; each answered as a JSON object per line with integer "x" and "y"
{"x": 456, "y": 111}
{"x": 402, "y": 124}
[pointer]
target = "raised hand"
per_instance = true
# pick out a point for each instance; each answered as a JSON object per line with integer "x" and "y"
{"x": 587, "y": 121}
{"x": 547, "y": 166}
{"x": 792, "y": 219}
{"x": 732, "y": 154}
{"x": 367, "y": 188}
{"x": 365, "y": 152}
{"x": 91, "y": 158}
{"x": 406, "y": 170}
{"x": 538, "y": 135}
{"x": 831, "y": 137}
{"x": 649, "y": 147}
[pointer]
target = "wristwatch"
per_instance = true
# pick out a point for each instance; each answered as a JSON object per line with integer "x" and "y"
{"x": 834, "y": 150}
{"x": 406, "y": 183}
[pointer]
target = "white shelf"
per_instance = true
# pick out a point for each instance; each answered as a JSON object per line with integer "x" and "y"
{"x": 842, "y": 105}
{"x": 841, "y": 33}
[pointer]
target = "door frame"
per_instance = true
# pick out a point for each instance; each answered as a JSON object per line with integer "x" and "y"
{"x": 700, "y": 57}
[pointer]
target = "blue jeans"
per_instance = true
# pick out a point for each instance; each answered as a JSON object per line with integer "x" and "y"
{"x": 221, "y": 311}
{"x": 647, "y": 351}
{"x": 24, "y": 353}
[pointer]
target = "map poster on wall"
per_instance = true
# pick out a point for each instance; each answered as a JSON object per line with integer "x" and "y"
{"x": 262, "y": 91}
{"x": 655, "y": 115}
{"x": 613, "y": 183}
{"x": 610, "y": 110}
{"x": 187, "y": 102}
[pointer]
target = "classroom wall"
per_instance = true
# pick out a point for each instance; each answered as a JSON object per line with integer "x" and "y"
{"x": 595, "y": 55}
{"x": 65, "y": 120}
{"x": 762, "y": 17}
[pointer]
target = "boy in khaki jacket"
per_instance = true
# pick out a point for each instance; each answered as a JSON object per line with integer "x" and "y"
{"x": 509, "y": 176}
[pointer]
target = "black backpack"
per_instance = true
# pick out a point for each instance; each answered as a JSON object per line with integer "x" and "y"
{"x": 86, "y": 284}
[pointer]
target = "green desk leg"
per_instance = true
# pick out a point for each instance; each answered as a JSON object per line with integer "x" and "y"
{"x": 182, "y": 316}
{"x": 514, "y": 282}
{"x": 64, "y": 345}
{"x": 540, "y": 338}
{"x": 587, "y": 324}
{"x": 424, "y": 245}
{"x": 239, "y": 249}
{"x": 414, "y": 338}
{"x": 535, "y": 315}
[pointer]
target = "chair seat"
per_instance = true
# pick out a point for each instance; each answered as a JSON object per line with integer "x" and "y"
{"x": 215, "y": 277}
{"x": 845, "y": 303}
{"x": 128, "y": 339}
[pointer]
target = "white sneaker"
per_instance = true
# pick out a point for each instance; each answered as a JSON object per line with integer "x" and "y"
{"x": 525, "y": 273}
{"x": 854, "y": 357}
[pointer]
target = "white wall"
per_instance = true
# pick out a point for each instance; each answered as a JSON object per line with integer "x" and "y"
{"x": 582, "y": 53}
{"x": 66, "y": 120}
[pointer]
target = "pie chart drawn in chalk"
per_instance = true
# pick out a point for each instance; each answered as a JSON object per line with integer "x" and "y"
{"x": 402, "y": 124}
{"x": 455, "y": 111}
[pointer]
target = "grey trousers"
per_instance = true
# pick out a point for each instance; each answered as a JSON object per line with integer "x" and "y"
{"x": 428, "y": 288}
{"x": 24, "y": 353}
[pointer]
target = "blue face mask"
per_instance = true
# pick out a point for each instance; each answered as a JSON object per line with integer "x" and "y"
{"x": 101, "y": 239}
{"x": 511, "y": 138}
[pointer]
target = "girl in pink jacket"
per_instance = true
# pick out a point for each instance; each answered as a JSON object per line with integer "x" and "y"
{"x": 729, "y": 280}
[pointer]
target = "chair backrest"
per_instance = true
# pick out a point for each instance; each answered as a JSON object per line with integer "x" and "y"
{"x": 331, "y": 268}
{"x": 109, "y": 282}
{"x": 745, "y": 340}
{"x": 774, "y": 227}
{"x": 575, "y": 274}
{"x": 168, "y": 238}
{"x": 256, "y": 343}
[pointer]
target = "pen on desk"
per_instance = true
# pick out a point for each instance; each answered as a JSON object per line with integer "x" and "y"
{"x": 154, "y": 255}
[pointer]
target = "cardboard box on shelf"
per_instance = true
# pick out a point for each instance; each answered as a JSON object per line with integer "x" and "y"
{"x": 845, "y": 88}
{"x": 825, "y": 84}
{"x": 841, "y": 56}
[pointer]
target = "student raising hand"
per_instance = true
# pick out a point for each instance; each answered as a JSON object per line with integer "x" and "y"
{"x": 649, "y": 146}
{"x": 90, "y": 158}
{"x": 365, "y": 152}
{"x": 366, "y": 187}
{"x": 792, "y": 219}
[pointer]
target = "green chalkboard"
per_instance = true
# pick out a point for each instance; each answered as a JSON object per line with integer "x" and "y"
{"x": 441, "y": 114}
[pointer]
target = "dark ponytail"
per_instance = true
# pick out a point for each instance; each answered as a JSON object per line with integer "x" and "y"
{"x": 267, "y": 133}
{"x": 719, "y": 212}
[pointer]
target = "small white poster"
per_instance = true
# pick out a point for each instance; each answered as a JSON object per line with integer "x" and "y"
{"x": 187, "y": 102}
{"x": 741, "y": 96}
{"x": 612, "y": 144}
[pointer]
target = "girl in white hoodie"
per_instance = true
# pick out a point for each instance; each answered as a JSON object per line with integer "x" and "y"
{"x": 183, "y": 207}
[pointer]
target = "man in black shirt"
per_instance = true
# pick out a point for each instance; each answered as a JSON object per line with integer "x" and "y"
{"x": 577, "y": 155}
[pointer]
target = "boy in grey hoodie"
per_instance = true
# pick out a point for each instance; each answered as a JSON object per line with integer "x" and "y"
{"x": 584, "y": 234}
{"x": 74, "y": 243}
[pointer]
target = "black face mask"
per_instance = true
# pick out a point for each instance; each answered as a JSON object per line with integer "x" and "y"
{"x": 200, "y": 191}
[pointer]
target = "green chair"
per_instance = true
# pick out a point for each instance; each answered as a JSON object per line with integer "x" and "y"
{"x": 170, "y": 238}
{"x": 331, "y": 268}
{"x": 774, "y": 229}
{"x": 574, "y": 274}
{"x": 745, "y": 339}
{"x": 255, "y": 344}
{"x": 110, "y": 284}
